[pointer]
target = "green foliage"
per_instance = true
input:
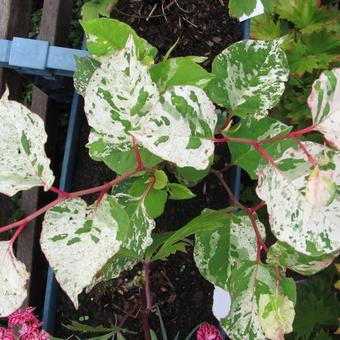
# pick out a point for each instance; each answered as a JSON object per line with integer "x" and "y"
{"x": 95, "y": 8}
{"x": 237, "y": 8}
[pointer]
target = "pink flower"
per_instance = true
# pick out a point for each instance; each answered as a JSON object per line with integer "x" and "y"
{"x": 22, "y": 316}
{"x": 208, "y": 332}
{"x": 6, "y": 334}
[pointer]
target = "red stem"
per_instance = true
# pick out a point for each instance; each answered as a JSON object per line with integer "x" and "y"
{"x": 60, "y": 199}
{"x": 140, "y": 164}
{"x": 58, "y": 191}
{"x": 258, "y": 207}
{"x": 257, "y": 232}
{"x": 310, "y": 158}
{"x": 264, "y": 154}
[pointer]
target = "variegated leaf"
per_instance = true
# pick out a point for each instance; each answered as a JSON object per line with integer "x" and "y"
{"x": 218, "y": 252}
{"x": 299, "y": 216}
{"x": 121, "y": 101}
{"x": 283, "y": 255}
{"x": 246, "y": 284}
{"x": 276, "y": 315}
{"x": 118, "y": 94}
{"x": 324, "y": 102}
{"x": 137, "y": 239}
{"x": 78, "y": 240}
{"x": 179, "y": 127}
{"x": 23, "y": 162}
{"x": 250, "y": 77}
{"x": 13, "y": 280}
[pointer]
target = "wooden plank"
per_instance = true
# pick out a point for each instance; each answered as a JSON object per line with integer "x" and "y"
{"x": 54, "y": 27}
{"x": 14, "y": 21}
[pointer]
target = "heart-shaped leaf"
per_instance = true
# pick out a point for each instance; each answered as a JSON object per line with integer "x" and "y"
{"x": 13, "y": 280}
{"x": 78, "y": 240}
{"x": 299, "y": 216}
{"x": 324, "y": 102}
{"x": 23, "y": 161}
{"x": 121, "y": 101}
{"x": 250, "y": 77}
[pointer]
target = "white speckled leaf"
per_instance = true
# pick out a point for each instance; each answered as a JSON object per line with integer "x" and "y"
{"x": 119, "y": 92}
{"x": 137, "y": 239}
{"x": 13, "y": 280}
{"x": 23, "y": 162}
{"x": 246, "y": 284}
{"x": 302, "y": 221}
{"x": 276, "y": 315}
{"x": 285, "y": 256}
{"x": 218, "y": 252}
{"x": 324, "y": 102}
{"x": 178, "y": 129}
{"x": 78, "y": 240}
{"x": 249, "y": 77}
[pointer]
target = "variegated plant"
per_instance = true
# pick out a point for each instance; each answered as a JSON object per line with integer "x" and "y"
{"x": 146, "y": 118}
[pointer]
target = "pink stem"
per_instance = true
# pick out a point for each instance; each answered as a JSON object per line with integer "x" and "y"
{"x": 58, "y": 191}
{"x": 306, "y": 152}
{"x": 140, "y": 165}
{"x": 258, "y": 207}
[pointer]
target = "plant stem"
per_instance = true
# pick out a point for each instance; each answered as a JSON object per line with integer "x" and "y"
{"x": 310, "y": 158}
{"x": 249, "y": 211}
{"x": 148, "y": 300}
{"x": 60, "y": 199}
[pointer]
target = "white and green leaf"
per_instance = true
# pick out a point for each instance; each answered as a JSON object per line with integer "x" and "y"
{"x": 324, "y": 103}
{"x": 247, "y": 283}
{"x": 218, "y": 252}
{"x": 276, "y": 315}
{"x": 179, "y": 127}
{"x": 285, "y": 256}
{"x": 250, "y": 77}
{"x": 118, "y": 94}
{"x": 23, "y": 161}
{"x": 13, "y": 280}
{"x": 302, "y": 218}
{"x": 78, "y": 240}
{"x": 137, "y": 240}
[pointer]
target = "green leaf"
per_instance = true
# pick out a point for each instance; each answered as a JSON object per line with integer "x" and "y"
{"x": 282, "y": 254}
{"x": 161, "y": 180}
{"x": 218, "y": 252}
{"x": 299, "y": 216}
{"x": 179, "y": 71}
{"x": 264, "y": 27}
{"x": 246, "y": 284}
{"x": 93, "y": 10}
{"x": 304, "y": 14}
{"x": 237, "y": 8}
{"x": 83, "y": 328}
{"x": 208, "y": 220}
{"x": 13, "y": 280}
{"x": 245, "y": 155}
{"x": 90, "y": 237}
{"x": 249, "y": 77}
{"x": 179, "y": 192}
{"x": 276, "y": 315}
{"x": 324, "y": 103}
{"x": 23, "y": 161}
{"x": 105, "y": 36}
{"x": 189, "y": 176}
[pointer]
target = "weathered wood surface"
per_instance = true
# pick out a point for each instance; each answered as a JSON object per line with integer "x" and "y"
{"x": 54, "y": 27}
{"x": 14, "y": 21}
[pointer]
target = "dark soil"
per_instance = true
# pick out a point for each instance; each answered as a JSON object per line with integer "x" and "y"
{"x": 182, "y": 295}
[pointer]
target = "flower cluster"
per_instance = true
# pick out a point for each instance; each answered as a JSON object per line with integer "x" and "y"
{"x": 208, "y": 332}
{"x": 23, "y": 325}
